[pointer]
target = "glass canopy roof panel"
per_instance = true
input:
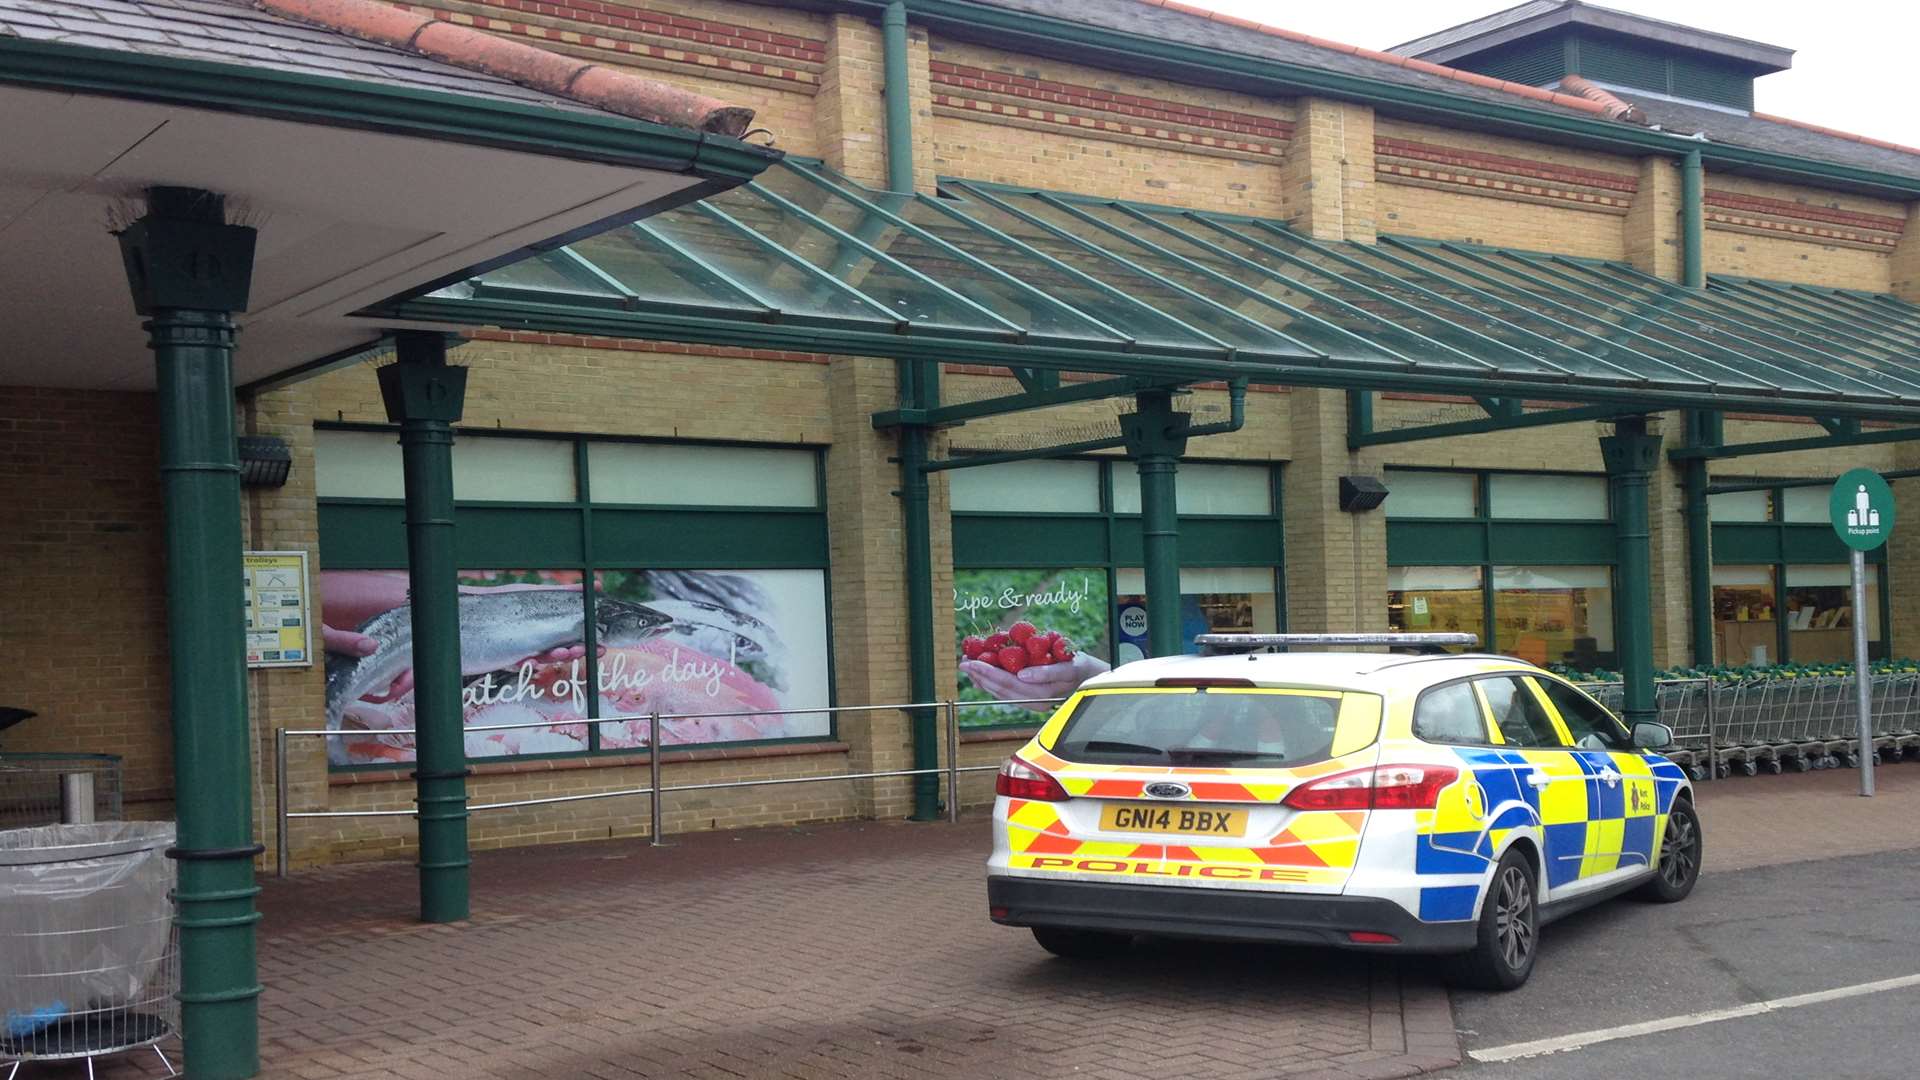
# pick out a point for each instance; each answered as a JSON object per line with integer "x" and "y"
{"x": 1703, "y": 360}
{"x": 900, "y": 291}
{"x": 1211, "y": 320}
{"x": 742, "y": 259}
{"x": 887, "y": 230}
{"x": 656, "y": 273}
{"x": 1681, "y": 309}
{"x": 1304, "y": 306}
{"x": 1664, "y": 319}
{"x": 548, "y": 271}
{"x": 1523, "y": 323}
{"x": 1505, "y": 335}
{"x": 1086, "y": 299}
{"x": 1340, "y": 290}
{"x": 1816, "y": 324}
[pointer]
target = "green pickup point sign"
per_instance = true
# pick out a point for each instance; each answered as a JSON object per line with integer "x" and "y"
{"x": 1861, "y": 508}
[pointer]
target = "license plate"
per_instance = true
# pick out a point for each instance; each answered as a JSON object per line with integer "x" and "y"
{"x": 1162, "y": 818}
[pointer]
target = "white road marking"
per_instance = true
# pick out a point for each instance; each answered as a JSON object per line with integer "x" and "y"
{"x": 1559, "y": 1043}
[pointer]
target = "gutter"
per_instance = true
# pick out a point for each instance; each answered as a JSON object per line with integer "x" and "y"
{"x": 372, "y": 106}
{"x": 1205, "y": 65}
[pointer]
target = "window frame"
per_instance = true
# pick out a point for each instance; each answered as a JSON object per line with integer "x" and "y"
{"x": 1106, "y": 535}
{"x": 1566, "y": 729}
{"x": 578, "y": 513}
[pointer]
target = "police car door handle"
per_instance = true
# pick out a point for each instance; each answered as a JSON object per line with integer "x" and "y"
{"x": 1538, "y": 779}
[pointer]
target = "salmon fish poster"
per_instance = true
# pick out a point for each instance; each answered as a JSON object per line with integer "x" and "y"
{"x": 585, "y": 666}
{"x": 1025, "y": 635}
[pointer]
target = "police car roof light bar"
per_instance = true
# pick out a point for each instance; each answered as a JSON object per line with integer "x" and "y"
{"x": 1216, "y": 644}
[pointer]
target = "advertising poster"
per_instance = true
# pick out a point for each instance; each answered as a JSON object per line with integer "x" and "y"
{"x": 1026, "y": 634}
{"x": 671, "y": 641}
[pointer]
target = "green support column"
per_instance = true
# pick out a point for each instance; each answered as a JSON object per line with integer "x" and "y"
{"x": 425, "y": 396}
{"x": 1156, "y": 437}
{"x": 189, "y": 272}
{"x": 1702, "y": 430}
{"x": 1631, "y": 454}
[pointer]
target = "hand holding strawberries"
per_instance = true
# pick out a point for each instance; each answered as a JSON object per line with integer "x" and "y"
{"x": 1023, "y": 661}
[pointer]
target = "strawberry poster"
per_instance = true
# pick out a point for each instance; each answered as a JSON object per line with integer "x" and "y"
{"x": 684, "y": 643}
{"x": 1026, "y": 638}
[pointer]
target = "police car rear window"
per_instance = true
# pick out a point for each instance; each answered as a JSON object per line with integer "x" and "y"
{"x": 1215, "y": 728}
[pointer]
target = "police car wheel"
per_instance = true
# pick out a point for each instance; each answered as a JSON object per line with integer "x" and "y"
{"x": 1509, "y": 931}
{"x": 1081, "y": 944}
{"x": 1680, "y": 849}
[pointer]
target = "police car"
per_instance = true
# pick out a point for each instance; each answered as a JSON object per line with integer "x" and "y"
{"x": 1422, "y": 803}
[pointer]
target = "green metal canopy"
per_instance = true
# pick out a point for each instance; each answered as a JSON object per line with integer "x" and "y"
{"x": 804, "y": 258}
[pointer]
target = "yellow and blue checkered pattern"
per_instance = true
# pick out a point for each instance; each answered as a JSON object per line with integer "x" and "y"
{"x": 1597, "y": 812}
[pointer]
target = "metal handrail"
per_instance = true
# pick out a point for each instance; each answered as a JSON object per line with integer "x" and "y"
{"x": 655, "y": 789}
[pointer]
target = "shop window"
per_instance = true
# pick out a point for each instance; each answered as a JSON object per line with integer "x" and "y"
{"x": 1199, "y": 489}
{"x": 1820, "y": 615}
{"x": 1736, "y": 506}
{"x": 680, "y": 474}
{"x": 1805, "y": 505}
{"x": 357, "y": 465}
{"x": 1436, "y": 599}
{"x": 513, "y": 470}
{"x": 1004, "y": 680}
{"x": 1414, "y": 493}
{"x": 367, "y": 465}
{"x": 1555, "y": 614}
{"x": 1034, "y": 487}
{"x": 751, "y": 644}
{"x": 1547, "y": 497}
{"x": 1213, "y": 600}
{"x": 1745, "y": 623}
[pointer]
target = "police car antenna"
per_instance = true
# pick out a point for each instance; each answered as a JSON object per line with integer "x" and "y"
{"x": 1229, "y": 644}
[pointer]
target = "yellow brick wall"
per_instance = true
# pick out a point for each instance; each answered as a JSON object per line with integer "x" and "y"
{"x": 1435, "y": 210}
{"x": 1741, "y": 250}
{"x": 1015, "y": 150}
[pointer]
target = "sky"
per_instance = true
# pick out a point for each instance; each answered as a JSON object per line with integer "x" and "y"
{"x": 1853, "y": 65}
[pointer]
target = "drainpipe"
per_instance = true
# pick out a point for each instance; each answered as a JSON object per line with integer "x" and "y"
{"x": 919, "y": 390}
{"x": 1693, "y": 263}
{"x": 1702, "y": 430}
{"x": 893, "y": 29}
{"x": 1631, "y": 454}
{"x": 189, "y": 272}
{"x": 425, "y": 397}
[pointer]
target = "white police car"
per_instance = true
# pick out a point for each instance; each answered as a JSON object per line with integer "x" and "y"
{"x": 1424, "y": 803}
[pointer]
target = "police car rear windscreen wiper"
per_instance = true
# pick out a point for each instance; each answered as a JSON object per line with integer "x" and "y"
{"x": 1104, "y": 746}
{"x": 1212, "y": 753}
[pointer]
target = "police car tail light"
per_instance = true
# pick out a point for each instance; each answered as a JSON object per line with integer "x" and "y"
{"x": 1020, "y": 780}
{"x": 1384, "y": 787}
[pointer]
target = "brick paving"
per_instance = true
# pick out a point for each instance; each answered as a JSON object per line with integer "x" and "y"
{"x": 863, "y": 951}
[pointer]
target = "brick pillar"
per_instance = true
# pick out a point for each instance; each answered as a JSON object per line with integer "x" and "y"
{"x": 1336, "y": 561}
{"x": 1667, "y": 526}
{"x": 1903, "y": 558}
{"x": 850, "y": 108}
{"x": 1327, "y": 177}
{"x": 1903, "y": 269}
{"x": 1652, "y": 224}
{"x": 287, "y": 519}
{"x": 868, "y": 578}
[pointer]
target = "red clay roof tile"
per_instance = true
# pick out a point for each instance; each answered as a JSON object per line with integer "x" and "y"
{"x": 549, "y": 72}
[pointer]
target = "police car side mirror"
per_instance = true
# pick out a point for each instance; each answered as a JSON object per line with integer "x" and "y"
{"x": 1648, "y": 735}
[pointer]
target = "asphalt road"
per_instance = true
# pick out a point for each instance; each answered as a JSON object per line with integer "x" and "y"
{"x": 1742, "y": 937}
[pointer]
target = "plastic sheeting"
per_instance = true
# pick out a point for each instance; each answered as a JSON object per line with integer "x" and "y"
{"x": 85, "y": 921}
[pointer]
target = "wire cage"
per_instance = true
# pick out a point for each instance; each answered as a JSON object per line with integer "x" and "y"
{"x": 90, "y": 946}
{"x": 35, "y": 789}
